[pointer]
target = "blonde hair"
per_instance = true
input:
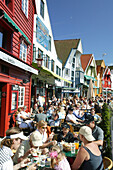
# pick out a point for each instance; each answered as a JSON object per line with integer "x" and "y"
{"x": 11, "y": 131}
{"x": 60, "y": 156}
{"x": 41, "y": 123}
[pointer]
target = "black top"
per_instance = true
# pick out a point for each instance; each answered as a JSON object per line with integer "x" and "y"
{"x": 94, "y": 163}
{"x": 68, "y": 138}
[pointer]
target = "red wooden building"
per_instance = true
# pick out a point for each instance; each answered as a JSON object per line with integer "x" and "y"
{"x": 16, "y": 46}
{"x": 106, "y": 80}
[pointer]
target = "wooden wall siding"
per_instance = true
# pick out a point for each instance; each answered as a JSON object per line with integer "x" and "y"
{"x": 24, "y": 23}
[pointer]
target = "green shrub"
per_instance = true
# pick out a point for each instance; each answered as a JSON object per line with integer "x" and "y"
{"x": 106, "y": 126}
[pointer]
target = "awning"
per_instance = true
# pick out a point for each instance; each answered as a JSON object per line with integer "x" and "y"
{"x": 50, "y": 72}
{"x": 89, "y": 77}
{"x": 13, "y": 25}
{"x": 56, "y": 76}
{"x": 68, "y": 88}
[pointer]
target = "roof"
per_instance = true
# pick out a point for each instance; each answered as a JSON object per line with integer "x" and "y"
{"x": 64, "y": 47}
{"x": 85, "y": 58}
{"x": 98, "y": 62}
{"x": 111, "y": 67}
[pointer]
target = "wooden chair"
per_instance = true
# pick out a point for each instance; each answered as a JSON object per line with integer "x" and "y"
{"x": 108, "y": 164}
{"x": 99, "y": 114}
{"x": 71, "y": 127}
{"x": 61, "y": 121}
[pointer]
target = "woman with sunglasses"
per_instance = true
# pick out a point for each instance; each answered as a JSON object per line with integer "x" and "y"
{"x": 42, "y": 129}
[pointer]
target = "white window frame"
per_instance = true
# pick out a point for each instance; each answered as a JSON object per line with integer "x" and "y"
{"x": 25, "y": 7}
{"x": 23, "y": 51}
{"x": 20, "y": 96}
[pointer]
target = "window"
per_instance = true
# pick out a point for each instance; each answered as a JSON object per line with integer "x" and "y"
{"x": 52, "y": 65}
{"x": 67, "y": 71}
{"x": 1, "y": 39}
{"x": 21, "y": 96}
{"x": 5, "y": 69}
{"x": 34, "y": 53}
{"x": 49, "y": 45}
{"x": 73, "y": 60}
{"x": 72, "y": 73}
{"x": 73, "y": 65}
{"x": 56, "y": 69}
{"x": 48, "y": 61}
{"x": 23, "y": 51}
{"x": 40, "y": 53}
{"x": 5, "y": 37}
{"x": 25, "y": 7}
{"x": 42, "y": 8}
{"x": 9, "y": 4}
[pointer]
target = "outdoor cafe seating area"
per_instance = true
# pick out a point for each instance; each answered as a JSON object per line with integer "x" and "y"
{"x": 57, "y": 127}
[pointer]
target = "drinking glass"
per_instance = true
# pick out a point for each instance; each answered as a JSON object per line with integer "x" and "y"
{"x": 72, "y": 148}
{"x": 42, "y": 160}
{"x": 76, "y": 145}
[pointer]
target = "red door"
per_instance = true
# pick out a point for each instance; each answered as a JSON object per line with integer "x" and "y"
{"x": 4, "y": 107}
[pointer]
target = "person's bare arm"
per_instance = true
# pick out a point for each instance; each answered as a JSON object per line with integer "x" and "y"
{"x": 81, "y": 156}
{"x": 99, "y": 142}
{"x": 45, "y": 145}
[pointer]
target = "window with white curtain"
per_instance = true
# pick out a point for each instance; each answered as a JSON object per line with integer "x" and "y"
{"x": 21, "y": 96}
{"x": 23, "y": 51}
{"x": 25, "y": 7}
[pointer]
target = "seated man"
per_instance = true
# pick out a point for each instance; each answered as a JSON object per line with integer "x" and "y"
{"x": 65, "y": 135}
{"x": 97, "y": 132}
{"x": 55, "y": 121}
{"x": 40, "y": 116}
{"x": 71, "y": 117}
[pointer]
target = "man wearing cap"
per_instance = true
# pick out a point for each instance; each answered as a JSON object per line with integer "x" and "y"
{"x": 97, "y": 132}
{"x": 65, "y": 135}
{"x": 89, "y": 156}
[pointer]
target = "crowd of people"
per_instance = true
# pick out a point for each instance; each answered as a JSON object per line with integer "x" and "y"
{"x": 43, "y": 123}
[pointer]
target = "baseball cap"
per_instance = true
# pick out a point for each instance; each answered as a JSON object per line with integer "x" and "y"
{"x": 87, "y": 133}
{"x": 36, "y": 138}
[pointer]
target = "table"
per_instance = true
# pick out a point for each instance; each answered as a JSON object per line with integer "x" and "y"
{"x": 69, "y": 154}
{"x": 70, "y": 157}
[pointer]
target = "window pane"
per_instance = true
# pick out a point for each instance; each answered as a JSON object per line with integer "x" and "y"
{"x": 42, "y": 8}
{"x": 1, "y": 39}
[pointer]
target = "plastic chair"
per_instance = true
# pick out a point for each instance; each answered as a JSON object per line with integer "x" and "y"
{"x": 108, "y": 164}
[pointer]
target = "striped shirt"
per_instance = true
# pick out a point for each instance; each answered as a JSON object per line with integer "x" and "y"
{"x": 6, "y": 162}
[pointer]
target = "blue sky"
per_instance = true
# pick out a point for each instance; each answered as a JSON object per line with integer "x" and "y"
{"x": 89, "y": 20}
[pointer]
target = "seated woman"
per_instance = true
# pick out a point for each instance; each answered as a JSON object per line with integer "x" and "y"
{"x": 89, "y": 155}
{"x": 23, "y": 119}
{"x": 65, "y": 135}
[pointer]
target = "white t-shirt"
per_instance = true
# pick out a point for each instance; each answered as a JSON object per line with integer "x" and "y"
{"x": 71, "y": 117}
